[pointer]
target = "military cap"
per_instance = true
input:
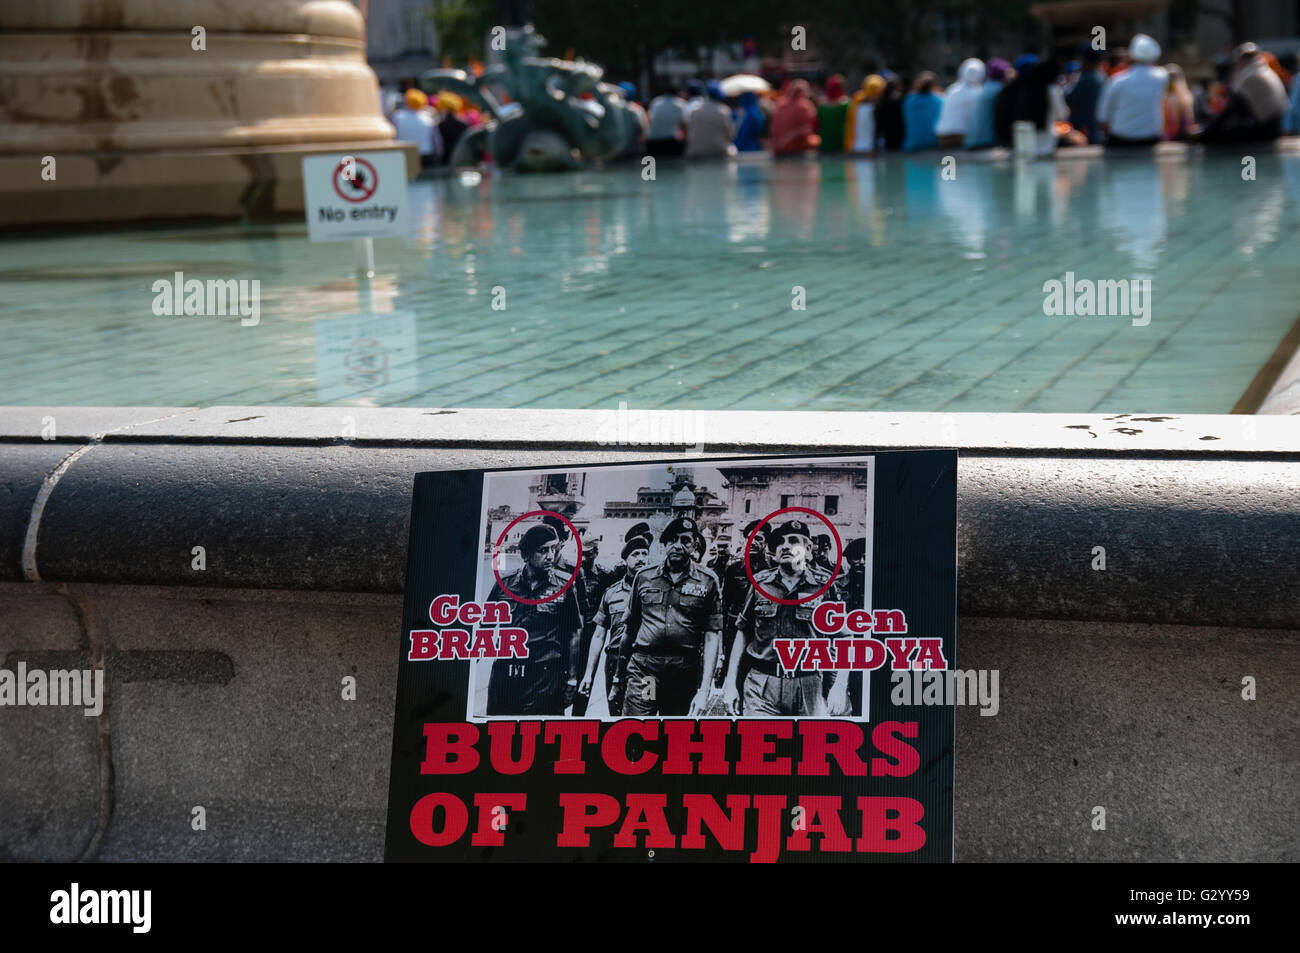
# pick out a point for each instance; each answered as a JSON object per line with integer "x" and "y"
{"x": 754, "y": 524}
{"x": 682, "y": 524}
{"x": 536, "y": 538}
{"x": 856, "y": 549}
{"x": 789, "y": 528}
{"x": 701, "y": 544}
{"x": 637, "y": 531}
{"x": 823, "y": 540}
{"x": 635, "y": 543}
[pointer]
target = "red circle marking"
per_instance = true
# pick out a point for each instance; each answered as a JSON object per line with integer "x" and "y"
{"x": 839, "y": 555}
{"x": 374, "y": 180}
{"x": 573, "y": 531}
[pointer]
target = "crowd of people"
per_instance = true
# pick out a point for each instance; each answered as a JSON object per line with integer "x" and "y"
{"x": 1123, "y": 97}
{"x": 435, "y": 127}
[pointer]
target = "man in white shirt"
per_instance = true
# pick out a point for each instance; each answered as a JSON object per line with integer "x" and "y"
{"x": 414, "y": 123}
{"x": 1131, "y": 108}
{"x": 709, "y": 128}
{"x": 667, "y": 135}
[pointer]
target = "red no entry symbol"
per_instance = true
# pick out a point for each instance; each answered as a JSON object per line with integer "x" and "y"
{"x": 355, "y": 180}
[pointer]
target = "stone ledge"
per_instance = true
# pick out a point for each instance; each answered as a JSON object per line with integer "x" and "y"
{"x": 666, "y": 431}
{"x": 1195, "y": 532}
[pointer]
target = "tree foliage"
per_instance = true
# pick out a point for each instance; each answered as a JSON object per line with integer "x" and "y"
{"x": 461, "y": 27}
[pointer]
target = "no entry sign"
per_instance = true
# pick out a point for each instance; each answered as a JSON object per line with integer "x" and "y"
{"x": 360, "y": 195}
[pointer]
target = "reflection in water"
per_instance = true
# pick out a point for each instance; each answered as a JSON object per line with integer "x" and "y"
{"x": 1260, "y": 223}
{"x": 1034, "y": 197}
{"x": 860, "y": 176}
{"x": 921, "y": 191}
{"x": 1133, "y": 212}
{"x": 748, "y": 205}
{"x": 796, "y": 188}
{"x": 968, "y": 206}
{"x": 366, "y": 359}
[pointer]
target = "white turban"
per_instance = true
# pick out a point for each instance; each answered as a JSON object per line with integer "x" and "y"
{"x": 1143, "y": 49}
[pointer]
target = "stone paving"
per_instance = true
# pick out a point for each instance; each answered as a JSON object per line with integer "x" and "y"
{"x": 921, "y": 293}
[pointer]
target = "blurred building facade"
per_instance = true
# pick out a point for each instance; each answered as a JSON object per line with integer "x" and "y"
{"x": 839, "y": 493}
{"x": 401, "y": 41}
{"x": 939, "y": 35}
{"x": 1193, "y": 34}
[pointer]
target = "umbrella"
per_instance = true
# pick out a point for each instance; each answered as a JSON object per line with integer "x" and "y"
{"x": 744, "y": 83}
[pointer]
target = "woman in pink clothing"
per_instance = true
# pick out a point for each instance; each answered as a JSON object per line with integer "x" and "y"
{"x": 794, "y": 122}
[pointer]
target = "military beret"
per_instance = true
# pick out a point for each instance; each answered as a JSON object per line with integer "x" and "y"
{"x": 637, "y": 529}
{"x": 754, "y": 524}
{"x": 632, "y": 545}
{"x": 856, "y": 549}
{"x": 536, "y": 538}
{"x": 700, "y": 543}
{"x": 682, "y": 524}
{"x": 789, "y": 528}
{"x": 823, "y": 539}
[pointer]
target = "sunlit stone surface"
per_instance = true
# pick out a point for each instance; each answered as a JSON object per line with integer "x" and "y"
{"x": 141, "y": 124}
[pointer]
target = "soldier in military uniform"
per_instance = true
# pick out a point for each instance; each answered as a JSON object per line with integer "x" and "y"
{"x": 611, "y": 625}
{"x": 854, "y": 591}
{"x": 823, "y": 558}
{"x": 638, "y": 531}
{"x": 544, "y": 682}
{"x": 674, "y": 622}
{"x": 593, "y": 580}
{"x": 735, "y": 587}
{"x": 856, "y": 588}
{"x": 700, "y": 548}
{"x": 565, "y": 567}
{"x": 767, "y": 689}
{"x": 718, "y": 564}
